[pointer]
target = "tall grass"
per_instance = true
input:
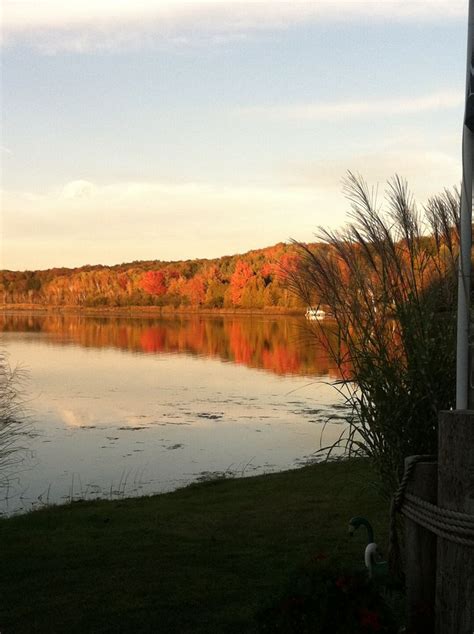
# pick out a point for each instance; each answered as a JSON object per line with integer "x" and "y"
{"x": 13, "y": 422}
{"x": 389, "y": 279}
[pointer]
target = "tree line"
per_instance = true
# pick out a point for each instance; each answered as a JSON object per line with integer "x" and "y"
{"x": 256, "y": 279}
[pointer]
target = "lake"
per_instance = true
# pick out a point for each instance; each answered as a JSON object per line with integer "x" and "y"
{"x": 122, "y": 406}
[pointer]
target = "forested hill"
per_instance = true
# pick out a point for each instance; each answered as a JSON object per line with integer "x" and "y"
{"x": 253, "y": 280}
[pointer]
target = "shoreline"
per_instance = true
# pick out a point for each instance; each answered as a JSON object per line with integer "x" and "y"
{"x": 204, "y": 558}
{"x": 155, "y": 311}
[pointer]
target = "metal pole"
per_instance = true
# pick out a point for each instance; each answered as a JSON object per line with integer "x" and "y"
{"x": 464, "y": 395}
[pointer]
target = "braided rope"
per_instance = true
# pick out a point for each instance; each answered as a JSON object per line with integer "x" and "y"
{"x": 410, "y": 465}
{"x": 455, "y": 526}
{"x": 454, "y": 516}
{"x": 451, "y": 532}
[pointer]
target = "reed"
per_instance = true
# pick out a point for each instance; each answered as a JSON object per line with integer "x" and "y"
{"x": 14, "y": 423}
{"x": 389, "y": 279}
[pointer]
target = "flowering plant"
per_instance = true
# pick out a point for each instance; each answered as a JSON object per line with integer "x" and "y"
{"x": 323, "y": 599}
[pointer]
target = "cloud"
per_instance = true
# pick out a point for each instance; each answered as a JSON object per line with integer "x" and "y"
{"x": 86, "y": 223}
{"x": 427, "y": 171}
{"x": 368, "y": 108}
{"x": 78, "y": 189}
{"x": 54, "y": 25}
{"x": 82, "y": 222}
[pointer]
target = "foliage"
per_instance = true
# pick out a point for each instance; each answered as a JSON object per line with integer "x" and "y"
{"x": 154, "y": 283}
{"x": 322, "y": 598}
{"x": 239, "y": 279}
{"x": 389, "y": 280}
{"x": 251, "y": 280}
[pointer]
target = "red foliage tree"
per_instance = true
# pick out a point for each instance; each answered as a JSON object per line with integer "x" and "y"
{"x": 154, "y": 283}
{"x": 287, "y": 264}
{"x": 267, "y": 270}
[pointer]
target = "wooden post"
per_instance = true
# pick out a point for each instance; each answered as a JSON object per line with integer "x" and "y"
{"x": 455, "y": 572}
{"x": 420, "y": 554}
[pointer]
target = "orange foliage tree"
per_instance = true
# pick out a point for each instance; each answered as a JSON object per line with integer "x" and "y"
{"x": 196, "y": 289}
{"x": 242, "y": 274}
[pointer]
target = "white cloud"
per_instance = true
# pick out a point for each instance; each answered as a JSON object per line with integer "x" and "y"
{"x": 427, "y": 171}
{"x": 368, "y": 108}
{"x": 78, "y": 189}
{"x": 55, "y": 25}
{"x": 83, "y": 223}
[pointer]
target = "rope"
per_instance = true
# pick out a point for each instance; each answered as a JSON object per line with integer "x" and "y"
{"x": 450, "y": 529}
{"x": 409, "y": 467}
{"x": 448, "y": 514}
{"x": 394, "y": 551}
{"x": 455, "y": 526}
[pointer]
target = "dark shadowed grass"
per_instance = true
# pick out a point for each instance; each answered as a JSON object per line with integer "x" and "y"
{"x": 200, "y": 559}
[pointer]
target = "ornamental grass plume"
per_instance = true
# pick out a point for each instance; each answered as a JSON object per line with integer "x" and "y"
{"x": 389, "y": 280}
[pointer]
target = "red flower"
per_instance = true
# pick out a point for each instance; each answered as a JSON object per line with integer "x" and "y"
{"x": 320, "y": 557}
{"x": 370, "y": 620}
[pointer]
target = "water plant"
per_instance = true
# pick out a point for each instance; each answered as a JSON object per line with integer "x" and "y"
{"x": 13, "y": 421}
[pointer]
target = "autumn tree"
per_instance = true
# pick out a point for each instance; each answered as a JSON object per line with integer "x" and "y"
{"x": 242, "y": 274}
{"x": 253, "y": 293}
{"x": 195, "y": 290}
{"x": 215, "y": 293}
{"x": 154, "y": 283}
{"x": 251, "y": 280}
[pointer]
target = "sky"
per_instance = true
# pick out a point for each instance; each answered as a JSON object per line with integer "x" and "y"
{"x": 174, "y": 130}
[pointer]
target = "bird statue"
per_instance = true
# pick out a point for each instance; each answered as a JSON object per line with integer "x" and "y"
{"x": 374, "y": 562}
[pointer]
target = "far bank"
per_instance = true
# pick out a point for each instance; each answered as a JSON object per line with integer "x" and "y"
{"x": 154, "y": 311}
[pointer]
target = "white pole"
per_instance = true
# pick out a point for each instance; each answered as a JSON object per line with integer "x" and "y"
{"x": 463, "y": 397}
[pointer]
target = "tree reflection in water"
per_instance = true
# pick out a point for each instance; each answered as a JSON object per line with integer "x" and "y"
{"x": 281, "y": 345}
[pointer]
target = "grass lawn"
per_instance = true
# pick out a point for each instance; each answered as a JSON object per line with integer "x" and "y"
{"x": 200, "y": 559}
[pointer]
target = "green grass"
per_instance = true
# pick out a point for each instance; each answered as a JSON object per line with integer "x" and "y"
{"x": 200, "y": 559}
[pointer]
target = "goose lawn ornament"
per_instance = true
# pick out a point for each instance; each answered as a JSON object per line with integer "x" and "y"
{"x": 374, "y": 561}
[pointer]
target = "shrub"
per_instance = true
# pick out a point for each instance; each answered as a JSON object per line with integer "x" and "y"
{"x": 389, "y": 279}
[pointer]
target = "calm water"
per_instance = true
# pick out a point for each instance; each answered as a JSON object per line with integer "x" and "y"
{"x": 125, "y": 406}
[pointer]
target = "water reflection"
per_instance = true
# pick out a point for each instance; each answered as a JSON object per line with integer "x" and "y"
{"x": 281, "y": 345}
{"x": 131, "y": 406}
